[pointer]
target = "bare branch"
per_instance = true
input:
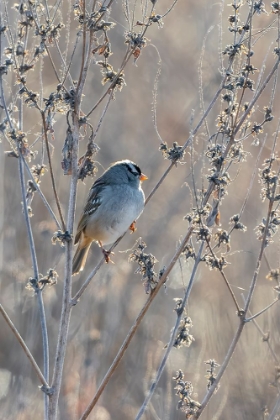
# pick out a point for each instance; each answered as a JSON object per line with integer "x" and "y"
{"x": 25, "y": 348}
{"x": 134, "y": 327}
{"x": 173, "y": 335}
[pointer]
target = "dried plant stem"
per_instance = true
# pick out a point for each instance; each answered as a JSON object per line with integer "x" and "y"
{"x": 256, "y": 97}
{"x": 275, "y": 410}
{"x": 162, "y": 280}
{"x": 51, "y": 170}
{"x": 254, "y": 280}
{"x": 222, "y": 369}
{"x": 102, "y": 115}
{"x": 264, "y": 336}
{"x": 112, "y": 85}
{"x": 70, "y": 62}
{"x": 25, "y": 348}
{"x": 170, "y": 266}
{"x": 173, "y": 336}
{"x": 172, "y": 164}
{"x": 82, "y": 68}
{"x": 200, "y": 74}
{"x": 67, "y": 289}
{"x": 225, "y": 280}
{"x": 37, "y": 289}
{"x": 36, "y": 185}
{"x": 242, "y": 320}
{"x": 262, "y": 311}
{"x": 134, "y": 327}
{"x": 1, "y": 79}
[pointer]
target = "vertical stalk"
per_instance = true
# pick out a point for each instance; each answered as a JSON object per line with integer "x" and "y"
{"x": 67, "y": 290}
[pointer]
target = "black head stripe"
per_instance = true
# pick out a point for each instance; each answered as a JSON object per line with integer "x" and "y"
{"x": 133, "y": 168}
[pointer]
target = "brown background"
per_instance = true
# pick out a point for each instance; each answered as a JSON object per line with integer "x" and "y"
{"x": 106, "y": 311}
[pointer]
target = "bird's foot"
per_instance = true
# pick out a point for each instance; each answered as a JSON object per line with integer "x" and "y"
{"x": 133, "y": 227}
{"x": 107, "y": 256}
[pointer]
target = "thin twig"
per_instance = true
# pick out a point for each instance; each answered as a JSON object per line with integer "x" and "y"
{"x": 1, "y": 82}
{"x": 242, "y": 320}
{"x": 264, "y": 336}
{"x": 155, "y": 93}
{"x": 36, "y": 185}
{"x": 25, "y": 348}
{"x": 262, "y": 311}
{"x": 163, "y": 278}
{"x": 112, "y": 85}
{"x": 256, "y": 97}
{"x": 37, "y": 289}
{"x": 71, "y": 60}
{"x": 225, "y": 280}
{"x": 173, "y": 336}
{"x": 172, "y": 164}
{"x": 135, "y": 325}
{"x": 200, "y": 76}
{"x": 51, "y": 170}
{"x": 275, "y": 410}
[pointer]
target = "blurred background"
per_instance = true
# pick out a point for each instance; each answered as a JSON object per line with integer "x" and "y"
{"x": 192, "y": 32}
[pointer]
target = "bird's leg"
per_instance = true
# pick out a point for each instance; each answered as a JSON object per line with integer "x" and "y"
{"x": 106, "y": 254}
{"x": 132, "y": 227}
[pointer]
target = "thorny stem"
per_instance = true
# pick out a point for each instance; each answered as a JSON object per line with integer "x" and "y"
{"x": 173, "y": 336}
{"x": 25, "y": 348}
{"x": 135, "y": 326}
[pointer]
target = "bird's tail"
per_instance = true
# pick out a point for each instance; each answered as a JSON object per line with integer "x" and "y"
{"x": 80, "y": 258}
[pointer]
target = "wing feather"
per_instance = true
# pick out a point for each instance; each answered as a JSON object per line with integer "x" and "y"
{"x": 92, "y": 204}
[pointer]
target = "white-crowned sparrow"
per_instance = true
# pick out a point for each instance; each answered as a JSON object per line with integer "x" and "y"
{"x": 115, "y": 201}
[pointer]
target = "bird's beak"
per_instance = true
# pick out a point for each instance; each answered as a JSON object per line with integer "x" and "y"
{"x": 143, "y": 177}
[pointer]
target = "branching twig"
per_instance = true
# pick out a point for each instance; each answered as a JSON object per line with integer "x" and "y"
{"x": 134, "y": 327}
{"x": 173, "y": 336}
{"x": 67, "y": 290}
{"x": 262, "y": 311}
{"x": 36, "y": 185}
{"x": 242, "y": 320}
{"x": 51, "y": 170}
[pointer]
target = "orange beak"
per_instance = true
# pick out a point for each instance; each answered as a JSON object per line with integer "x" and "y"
{"x": 143, "y": 177}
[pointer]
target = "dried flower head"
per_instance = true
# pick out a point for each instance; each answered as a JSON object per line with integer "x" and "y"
{"x": 146, "y": 263}
{"x": 184, "y": 389}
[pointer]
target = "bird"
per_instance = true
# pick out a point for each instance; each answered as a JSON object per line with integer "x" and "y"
{"x": 114, "y": 203}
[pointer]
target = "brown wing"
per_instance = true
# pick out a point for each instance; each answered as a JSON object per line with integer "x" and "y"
{"x": 92, "y": 204}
